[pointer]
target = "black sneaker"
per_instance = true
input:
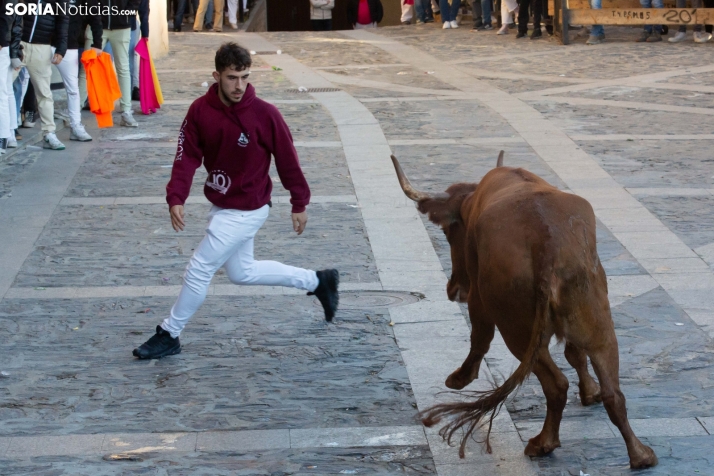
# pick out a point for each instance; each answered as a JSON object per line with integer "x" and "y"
{"x": 135, "y": 94}
{"x": 521, "y": 34}
{"x": 86, "y": 105}
{"x": 159, "y": 345}
{"x": 535, "y": 34}
{"x": 326, "y": 291}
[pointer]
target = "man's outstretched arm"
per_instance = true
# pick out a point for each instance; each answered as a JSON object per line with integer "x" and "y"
{"x": 189, "y": 156}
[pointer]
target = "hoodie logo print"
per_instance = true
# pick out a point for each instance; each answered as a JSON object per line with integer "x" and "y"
{"x": 219, "y": 181}
{"x": 243, "y": 140}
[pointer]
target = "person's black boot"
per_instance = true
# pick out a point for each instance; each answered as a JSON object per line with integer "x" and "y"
{"x": 159, "y": 345}
{"x": 521, "y": 34}
{"x": 135, "y": 94}
{"x": 535, "y": 34}
{"x": 326, "y": 291}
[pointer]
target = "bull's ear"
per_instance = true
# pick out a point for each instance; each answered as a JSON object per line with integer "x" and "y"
{"x": 439, "y": 211}
{"x": 499, "y": 162}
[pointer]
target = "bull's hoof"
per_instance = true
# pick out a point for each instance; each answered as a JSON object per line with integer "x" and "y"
{"x": 588, "y": 400}
{"x": 456, "y": 381}
{"x": 645, "y": 458}
{"x": 537, "y": 446}
{"x": 590, "y": 394}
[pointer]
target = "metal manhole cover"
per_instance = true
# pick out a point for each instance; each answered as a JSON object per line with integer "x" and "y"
{"x": 313, "y": 90}
{"x": 375, "y": 299}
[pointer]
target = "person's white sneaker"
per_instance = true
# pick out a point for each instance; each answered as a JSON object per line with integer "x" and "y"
{"x": 52, "y": 142}
{"x": 234, "y": 26}
{"x": 447, "y": 25}
{"x": 454, "y": 24}
{"x": 679, "y": 37}
{"x": 702, "y": 37}
{"x": 11, "y": 141}
{"x": 79, "y": 133}
{"x": 127, "y": 119}
{"x": 503, "y": 30}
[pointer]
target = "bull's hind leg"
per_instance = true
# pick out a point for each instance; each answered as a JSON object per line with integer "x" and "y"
{"x": 605, "y": 360}
{"x": 589, "y": 389}
{"x": 555, "y": 388}
{"x": 481, "y": 337}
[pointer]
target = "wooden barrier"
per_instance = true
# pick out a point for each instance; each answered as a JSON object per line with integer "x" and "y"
{"x": 622, "y": 12}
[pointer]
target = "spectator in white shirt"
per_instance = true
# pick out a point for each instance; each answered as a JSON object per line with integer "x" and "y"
{"x": 321, "y": 14}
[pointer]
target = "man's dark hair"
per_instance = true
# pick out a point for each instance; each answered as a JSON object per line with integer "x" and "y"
{"x": 232, "y": 55}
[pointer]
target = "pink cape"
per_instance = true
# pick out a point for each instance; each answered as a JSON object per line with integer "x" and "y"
{"x": 150, "y": 96}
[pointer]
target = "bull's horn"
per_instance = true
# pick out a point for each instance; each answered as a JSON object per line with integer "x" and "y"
{"x": 410, "y": 191}
{"x": 499, "y": 162}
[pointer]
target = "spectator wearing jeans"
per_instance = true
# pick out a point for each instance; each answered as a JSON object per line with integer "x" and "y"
{"x": 39, "y": 33}
{"x": 597, "y": 32}
{"x": 481, "y": 12}
{"x": 699, "y": 35}
{"x": 423, "y": 11}
{"x": 321, "y": 14}
{"x": 449, "y": 12}
{"x": 651, "y": 34}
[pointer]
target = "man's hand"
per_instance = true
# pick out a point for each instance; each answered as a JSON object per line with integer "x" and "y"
{"x": 299, "y": 222}
{"x": 97, "y": 50}
{"x": 177, "y": 217}
{"x": 56, "y": 59}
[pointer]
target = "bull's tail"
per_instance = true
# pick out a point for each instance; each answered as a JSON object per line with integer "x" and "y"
{"x": 468, "y": 415}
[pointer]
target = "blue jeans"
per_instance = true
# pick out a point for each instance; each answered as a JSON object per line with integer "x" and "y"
{"x": 448, "y": 13}
{"x": 17, "y": 90}
{"x": 181, "y": 9}
{"x": 486, "y": 11}
{"x": 133, "y": 39}
{"x": 597, "y": 30}
{"x": 652, "y": 4}
{"x": 422, "y": 8}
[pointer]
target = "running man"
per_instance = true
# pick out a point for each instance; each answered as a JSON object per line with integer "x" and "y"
{"x": 235, "y": 133}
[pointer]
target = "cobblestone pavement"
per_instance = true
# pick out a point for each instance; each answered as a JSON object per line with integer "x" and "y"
{"x": 264, "y": 386}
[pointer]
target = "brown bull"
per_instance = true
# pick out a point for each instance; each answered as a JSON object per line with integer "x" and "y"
{"x": 524, "y": 258}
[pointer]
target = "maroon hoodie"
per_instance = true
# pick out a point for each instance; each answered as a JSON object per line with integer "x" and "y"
{"x": 235, "y": 143}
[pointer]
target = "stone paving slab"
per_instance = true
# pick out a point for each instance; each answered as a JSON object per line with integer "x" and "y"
{"x": 426, "y": 120}
{"x": 248, "y": 363}
{"x": 582, "y": 119}
{"x": 644, "y": 95}
{"x": 689, "y": 217}
{"x": 412, "y": 460}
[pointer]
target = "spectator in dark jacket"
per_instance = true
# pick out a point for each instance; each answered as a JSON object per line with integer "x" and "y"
{"x": 69, "y": 67}
{"x": 364, "y": 13}
{"x": 116, "y": 31}
{"x": 39, "y": 34}
{"x": 10, "y": 36}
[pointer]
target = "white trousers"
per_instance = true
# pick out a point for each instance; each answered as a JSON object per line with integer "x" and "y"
{"x": 229, "y": 243}
{"x": 233, "y": 10}
{"x": 6, "y": 112}
{"x": 407, "y": 12}
{"x": 508, "y": 7}
{"x": 69, "y": 70}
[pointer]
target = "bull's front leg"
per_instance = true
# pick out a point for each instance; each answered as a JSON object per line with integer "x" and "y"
{"x": 481, "y": 337}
